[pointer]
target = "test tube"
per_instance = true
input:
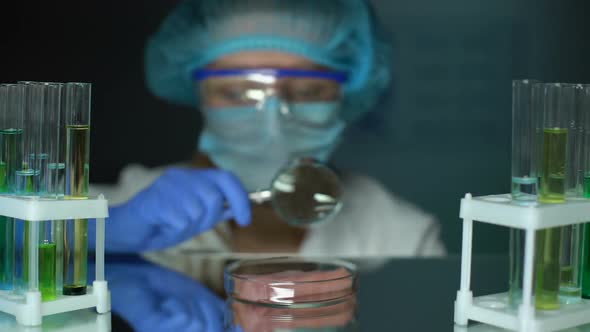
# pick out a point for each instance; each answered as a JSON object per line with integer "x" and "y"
{"x": 524, "y": 172}
{"x": 54, "y": 144}
{"x": 54, "y": 129}
{"x": 570, "y": 271}
{"x": 524, "y": 120}
{"x": 570, "y": 288}
{"x": 516, "y": 264}
{"x": 6, "y": 228}
{"x": 50, "y": 258}
{"x": 77, "y": 171}
{"x": 11, "y": 134}
{"x": 584, "y": 104}
{"x": 47, "y": 262}
{"x": 27, "y": 184}
{"x": 572, "y": 96}
{"x": 572, "y": 235}
{"x": 3, "y": 115}
{"x": 42, "y": 151}
{"x": 10, "y": 141}
{"x": 547, "y": 268}
{"x": 556, "y": 100}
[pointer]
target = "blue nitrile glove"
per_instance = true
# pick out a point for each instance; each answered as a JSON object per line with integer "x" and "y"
{"x": 180, "y": 204}
{"x": 152, "y": 298}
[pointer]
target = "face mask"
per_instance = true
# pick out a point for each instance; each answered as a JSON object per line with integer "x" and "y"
{"x": 254, "y": 144}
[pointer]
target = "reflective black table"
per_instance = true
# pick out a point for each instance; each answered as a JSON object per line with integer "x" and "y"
{"x": 185, "y": 293}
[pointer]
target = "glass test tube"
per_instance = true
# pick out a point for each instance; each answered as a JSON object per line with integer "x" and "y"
{"x": 547, "y": 268}
{"x": 47, "y": 262}
{"x": 572, "y": 99}
{"x": 6, "y": 228}
{"x": 27, "y": 184}
{"x": 570, "y": 283}
{"x": 524, "y": 120}
{"x": 50, "y": 256}
{"x": 556, "y": 115}
{"x": 12, "y": 134}
{"x": 557, "y": 102}
{"x": 524, "y": 189}
{"x": 78, "y": 97}
{"x": 516, "y": 254}
{"x": 10, "y": 141}
{"x": 54, "y": 127}
{"x": 570, "y": 289}
{"x": 3, "y": 115}
{"x": 584, "y": 104}
{"x": 54, "y": 144}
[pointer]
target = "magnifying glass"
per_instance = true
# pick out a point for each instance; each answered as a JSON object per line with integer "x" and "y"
{"x": 304, "y": 192}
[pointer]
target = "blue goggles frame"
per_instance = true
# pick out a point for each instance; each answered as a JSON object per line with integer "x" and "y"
{"x": 202, "y": 74}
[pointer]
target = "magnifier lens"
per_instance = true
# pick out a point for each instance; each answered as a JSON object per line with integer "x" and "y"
{"x": 306, "y": 192}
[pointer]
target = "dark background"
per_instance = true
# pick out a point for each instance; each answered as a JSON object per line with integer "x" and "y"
{"x": 445, "y": 131}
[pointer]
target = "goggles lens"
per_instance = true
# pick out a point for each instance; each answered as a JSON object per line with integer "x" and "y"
{"x": 230, "y": 88}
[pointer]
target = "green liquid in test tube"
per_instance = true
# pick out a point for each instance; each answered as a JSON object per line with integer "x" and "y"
{"x": 47, "y": 283}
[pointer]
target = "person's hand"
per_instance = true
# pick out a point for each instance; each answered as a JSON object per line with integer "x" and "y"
{"x": 152, "y": 298}
{"x": 177, "y": 206}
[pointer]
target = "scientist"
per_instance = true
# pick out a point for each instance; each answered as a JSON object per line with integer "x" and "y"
{"x": 272, "y": 80}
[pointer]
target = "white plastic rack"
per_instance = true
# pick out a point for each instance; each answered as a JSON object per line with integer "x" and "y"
{"x": 29, "y": 309}
{"x": 494, "y": 309}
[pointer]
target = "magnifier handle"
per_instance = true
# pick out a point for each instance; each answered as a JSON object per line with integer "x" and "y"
{"x": 256, "y": 197}
{"x": 259, "y": 197}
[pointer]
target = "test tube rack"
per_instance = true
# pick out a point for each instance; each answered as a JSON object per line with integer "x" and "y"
{"x": 494, "y": 309}
{"x": 82, "y": 320}
{"x": 28, "y": 309}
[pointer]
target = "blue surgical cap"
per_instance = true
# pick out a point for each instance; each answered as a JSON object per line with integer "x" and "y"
{"x": 339, "y": 34}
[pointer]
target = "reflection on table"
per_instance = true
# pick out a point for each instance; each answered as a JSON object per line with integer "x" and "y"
{"x": 76, "y": 321}
{"x": 395, "y": 295}
{"x": 187, "y": 295}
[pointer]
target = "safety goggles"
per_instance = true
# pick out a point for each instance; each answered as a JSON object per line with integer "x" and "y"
{"x": 292, "y": 92}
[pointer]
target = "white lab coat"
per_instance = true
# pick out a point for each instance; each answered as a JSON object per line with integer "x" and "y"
{"x": 372, "y": 222}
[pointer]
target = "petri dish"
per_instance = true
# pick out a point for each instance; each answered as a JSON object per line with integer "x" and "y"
{"x": 291, "y": 293}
